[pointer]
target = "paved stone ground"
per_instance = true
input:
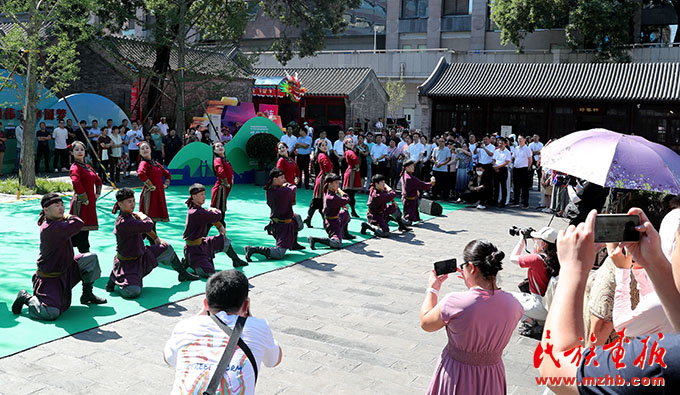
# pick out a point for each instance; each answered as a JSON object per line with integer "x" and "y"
{"x": 347, "y": 322}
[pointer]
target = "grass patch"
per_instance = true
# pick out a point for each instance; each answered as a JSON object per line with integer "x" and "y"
{"x": 43, "y": 185}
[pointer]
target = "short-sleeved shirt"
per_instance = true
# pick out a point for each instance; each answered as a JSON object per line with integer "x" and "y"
{"x": 537, "y": 273}
{"x": 485, "y": 158}
{"x": 415, "y": 149}
{"x": 60, "y": 135}
{"x": 157, "y": 141}
{"x": 536, "y": 147}
{"x": 379, "y": 150}
{"x": 501, "y": 156}
{"x": 96, "y": 132}
{"x": 42, "y": 143}
{"x": 606, "y": 366}
{"x": 522, "y": 155}
{"x": 339, "y": 147}
{"x": 163, "y": 127}
{"x": 290, "y": 141}
{"x": 197, "y": 344}
{"x": 305, "y": 140}
{"x": 134, "y": 137}
{"x": 441, "y": 155}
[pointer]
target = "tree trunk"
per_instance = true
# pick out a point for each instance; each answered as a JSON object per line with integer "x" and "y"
{"x": 180, "y": 116}
{"x": 30, "y": 105}
{"x": 160, "y": 68}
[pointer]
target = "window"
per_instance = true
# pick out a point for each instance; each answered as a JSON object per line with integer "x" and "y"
{"x": 414, "y": 8}
{"x": 406, "y": 46}
{"x": 456, "y": 7}
{"x": 422, "y": 46}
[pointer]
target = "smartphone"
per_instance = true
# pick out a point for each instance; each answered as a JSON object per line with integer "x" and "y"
{"x": 445, "y": 267}
{"x": 614, "y": 228}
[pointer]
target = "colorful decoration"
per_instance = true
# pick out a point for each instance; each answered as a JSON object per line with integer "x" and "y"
{"x": 288, "y": 86}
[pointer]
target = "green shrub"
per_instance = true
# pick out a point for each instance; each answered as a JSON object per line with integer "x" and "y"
{"x": 43, "y": 185}
{"x": 262, "y": 148}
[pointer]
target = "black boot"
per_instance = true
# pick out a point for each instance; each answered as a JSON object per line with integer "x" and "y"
{"x": 347, "y": 235}
{"x": 235, "y": 259}
{"x": 364, "y": 227}
{"x": 88, "y": 297}
{"x": 400, "y": 221}
{"x": 297, "y": 246}
{"x": 250, "y": 250}
{"x": 308, "y": 222}
{"x": 322, "y": 240}
{"x": 110, "y": 285}
{"x": 180, "y": 268}
{"x": 354, "y": 213}
{"x": 22, "y": 299}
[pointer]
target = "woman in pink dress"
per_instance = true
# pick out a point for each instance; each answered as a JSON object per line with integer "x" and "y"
{"x": 479, "y": 324}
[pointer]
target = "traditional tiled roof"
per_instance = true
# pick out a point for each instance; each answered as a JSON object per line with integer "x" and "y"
{"x": 644, "y": 82}
{"x": 142, "y": 54}
{"x": 322, "y": 81}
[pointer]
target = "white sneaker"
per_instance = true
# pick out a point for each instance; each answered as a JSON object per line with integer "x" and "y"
{"x": 64, "y": 169}
{"x": 481, "y": 207}
{"x": 547, "y": 211}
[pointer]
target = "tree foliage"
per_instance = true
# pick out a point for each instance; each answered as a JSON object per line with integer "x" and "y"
{"x": 602, "y": 25}
{"x": 396, "y": 90}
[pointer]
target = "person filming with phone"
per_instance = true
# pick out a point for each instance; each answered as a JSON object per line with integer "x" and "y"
{"x": 479, "y": 324}
{"x": 203, "y": 348}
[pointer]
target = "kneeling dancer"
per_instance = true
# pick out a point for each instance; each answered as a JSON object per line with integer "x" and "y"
{"x": 200, "y": 248}
{"x": 382, "y": 208}
{"x": 284, "y": 224}
{"x": 336, "y": 217}
{"x": 58, "y": 269}
{"x": 411, "y": 187}
{"x": 133, "y": 259}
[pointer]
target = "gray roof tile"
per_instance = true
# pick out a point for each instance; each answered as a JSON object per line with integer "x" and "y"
{"x": 322, "y": 81}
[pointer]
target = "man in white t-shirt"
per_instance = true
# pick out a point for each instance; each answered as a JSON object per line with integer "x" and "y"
{"x": 134, "y": 136}
{"x": 338, "y": 153}
{"x": 163, "y": 126}
{"x": 472, "y": 145}
{"x": 378, "y": 156}
{"x": 289, "y": 139}
{"x": 536, "y": 146}
{"x": 60, "y": 135}
{"x": 520, "y": 172}
{"x": 416, "y": 151}
{"x": 197, "y": 343}
{"x": 379, "y": 125}
{"x": 501, "y": 160}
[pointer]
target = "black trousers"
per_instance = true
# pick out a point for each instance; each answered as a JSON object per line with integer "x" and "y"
{"x": 114, "y": 171}
{"x": 380, "y": 168}
{"x": 303, "y": 164}
{"x": 441, "y": 185}
{"x": 134, "y": 155}
{"x": 61, "y": 158}
{"x": 81, "y": 241}
{"x": 488, "y": 182}
{"x": 521, "y": 180}
{"x": 336, "y": 164}
{"x": 500, "y": 184}
{"x": 43, "y": 152}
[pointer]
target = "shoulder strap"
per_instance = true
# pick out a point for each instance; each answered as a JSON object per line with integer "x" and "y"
{"x": 234, "y": 337}
{"x": 242, "y": 345}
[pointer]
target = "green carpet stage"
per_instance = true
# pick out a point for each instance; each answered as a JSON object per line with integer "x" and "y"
{"x": 247, "y": 215}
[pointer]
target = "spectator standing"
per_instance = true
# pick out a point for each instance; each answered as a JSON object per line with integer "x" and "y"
{"x": 171, "y": 145}
{"x": 157, "y": 138}
{"x": 134, "y": 137}
{"x": 338, "y": 153}
{"x": 310, "y": 130}
{"x": 226, "y": 302}
{"x": 394, "y": 157}
{"x": 104, "y": 145}
{"x": 379, "y": 125}
{"x": 3, "y": 147}
{"x": 361, "y": 149}
{"x": 60, "y": 136}
{"x": 427, "y": 154}
{"x": 501, "y": 160}
{"x": 19, "y": 134}
{"x": 484, "y": 151}
{"x": 124, "y": 127}
{"x": 536, "y": 146}
{"x": 379, "y": 157}
{"x": 304, "y": 151}
{"x": 479, "y": 324}
{"x": 471, "y": 146}
{"x": 81, "y": 133}
{"x": 416, "y": 152}
{"x": 523, "y": 160}
{"x": 289, "y": 138}
{"x": 43, "y": 137}
{"x": 94, "y": 132}
{"x": 441, "y": 156}
{"x": 369, "y": 161}
{"x": 163, "y": 126}
{"x": 464, "y": 157}
{"x": 116, "y": 153}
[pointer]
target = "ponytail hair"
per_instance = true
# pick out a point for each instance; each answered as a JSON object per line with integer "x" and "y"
{"x": 485, "y": 256}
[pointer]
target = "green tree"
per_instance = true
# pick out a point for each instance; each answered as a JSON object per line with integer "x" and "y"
{"x": 603, "y": 25}
{"x": 396, "y": 90}
{"x": 41, "y": 48}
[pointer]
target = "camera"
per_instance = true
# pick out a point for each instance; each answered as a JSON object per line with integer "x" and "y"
{"x": 525, "y": 232}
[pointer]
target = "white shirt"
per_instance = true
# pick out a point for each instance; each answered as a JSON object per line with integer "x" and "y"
{"x": 485, "y": 158}
{"x": 441, "y": 155}
{"x": 197, "y": 344}
{"x": 19, "y": 133}
{"x": 379, "y": 150}
{"x": 310, "y": 131}
{"x": 163, "y": 127}
{"x": 522, "y": 155}
{"x": 60, "y": 135}
{"x": 414, "y": 151}
{"x": 116, "y": 140}
{"x": 339, "y": 147}
{"x": 500, "y": 157}
{"x": 290, "y": 141}
{"x": 669, "y": 224}
{"x": 475, "y": 157}
{"x": 134, "y": 137}
{"x": 536, "y": 147}
{"x": 428, "y": 151}
{"x": 379, "y": 125}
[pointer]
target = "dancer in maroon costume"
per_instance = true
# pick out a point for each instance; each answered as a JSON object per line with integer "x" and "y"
{"x": 382, "y": 208}
{"x": 287, "y": 164}
{"x": 151, "y": 173}
{"x": 351, "y": 182}
{"x": 87, "y": 186}
{"x": 133, "y": 259}
{"x": 200, "y": 249}
{"x": 325, "y": 167}
{"x": 336, "y": 217}
{"x": 225, "y": 180}
{"x": 58, "y": 269}
{"x": 411, "y": 187}
{"x": 284, "y": 224}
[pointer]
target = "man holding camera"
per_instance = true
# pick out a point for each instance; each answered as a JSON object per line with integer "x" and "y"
{"x": 197, "y": 343}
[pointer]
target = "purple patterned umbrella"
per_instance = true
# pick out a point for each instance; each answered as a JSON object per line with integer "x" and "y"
{"x": 615, "y": 160}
